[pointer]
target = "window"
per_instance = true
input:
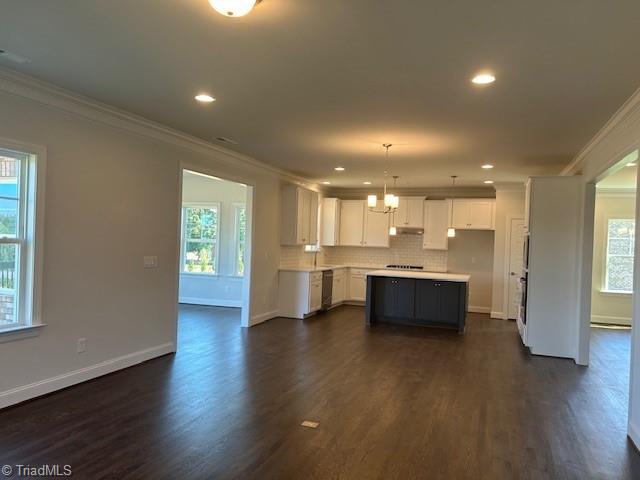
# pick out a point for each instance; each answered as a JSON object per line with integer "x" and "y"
{"x": 19, "y": 264}
{"x": 200, "y": 239}
{"x": 241, "y": 231}
{"x": 619, "y": 260}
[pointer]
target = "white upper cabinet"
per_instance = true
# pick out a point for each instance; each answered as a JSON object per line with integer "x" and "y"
{"x": 409, "y": 212}
{"x": 299, "y": 222}
{"x": 474, "y": 213}
{"x": 330, "y": 222}
{"x": 376, "y": 228}
{"x": 436, "y": 223}
{"x": 352, "y": 223}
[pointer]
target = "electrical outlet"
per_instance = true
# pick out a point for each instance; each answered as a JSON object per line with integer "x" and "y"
{"x": 150, "y": 262}
{"x": 81, "y": 345}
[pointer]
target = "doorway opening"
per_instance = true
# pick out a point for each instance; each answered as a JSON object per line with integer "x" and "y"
{"x": 215, "y": 252}
{"x": 612, "y": 279}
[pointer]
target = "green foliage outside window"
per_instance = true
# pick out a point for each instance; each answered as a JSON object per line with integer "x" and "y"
{"x": 201, "y": 235}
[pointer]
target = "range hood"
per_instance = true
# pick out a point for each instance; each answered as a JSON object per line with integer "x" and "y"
{"x": 409, "y": 231}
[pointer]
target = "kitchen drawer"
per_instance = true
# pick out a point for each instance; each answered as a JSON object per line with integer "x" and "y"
{"x": 315, "y": 276}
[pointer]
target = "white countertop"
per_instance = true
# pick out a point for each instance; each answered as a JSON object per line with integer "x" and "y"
{"x": 445, "y": 277}
{"x": 322, "y": 268}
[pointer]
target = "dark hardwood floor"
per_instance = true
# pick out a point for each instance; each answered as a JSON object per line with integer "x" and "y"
{"x": 392, "y": 402}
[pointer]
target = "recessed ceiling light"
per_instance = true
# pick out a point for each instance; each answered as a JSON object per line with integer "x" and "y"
{"x": 488, "y": 181}
{"x": 484, "y": 78}
{"x": 326, "y": 183}
{"x": 366, "y": 183}
{"x": 631, "y": 164}
{"x": 339, "y": 169}
{"x": 204, "y": 98}
{"x": 487, "y": 166}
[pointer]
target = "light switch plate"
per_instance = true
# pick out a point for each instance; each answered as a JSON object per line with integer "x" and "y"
{"x": 150, "y": 262}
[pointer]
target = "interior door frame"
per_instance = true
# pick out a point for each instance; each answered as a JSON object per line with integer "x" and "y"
{"x": 506, "y": 270}
{"x": 245, "y": 315}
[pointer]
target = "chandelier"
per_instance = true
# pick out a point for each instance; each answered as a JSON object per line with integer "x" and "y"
{"x": 390, "y": 201}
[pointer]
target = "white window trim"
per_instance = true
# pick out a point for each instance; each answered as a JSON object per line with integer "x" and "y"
{"x": 605, "y": 260}
{"x": 236, "y": 237}
{"x": 32, "y": 266}
{"x": 183, "y": 243}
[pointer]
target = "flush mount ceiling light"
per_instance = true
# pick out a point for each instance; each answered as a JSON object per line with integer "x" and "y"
{"x": 204, "y": 98}
{"x": 339, "y": 169}
{"x": 326, "y": 183}
{"x": 233, "y": 8}
{"x": 483, "y": 78}
{"x": 366, "y": 183}
{"x": 487, "y": 166}
{"x": 488, "y": 182}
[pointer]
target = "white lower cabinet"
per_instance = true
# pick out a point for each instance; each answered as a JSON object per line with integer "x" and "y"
{"x": 339, "y": 287}
{"x": 358, "y": 284}
{"x": 315, "y": 294}
{"x": 299, "y": 293}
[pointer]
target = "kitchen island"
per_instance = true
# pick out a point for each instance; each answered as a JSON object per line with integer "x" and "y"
{"x": 417, "y": 298}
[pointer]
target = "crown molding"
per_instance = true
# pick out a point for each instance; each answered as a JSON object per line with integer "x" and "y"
{"x": 28, "y": 87}
{"x": 629, "y": 109}
{"x": 430, "y": 193}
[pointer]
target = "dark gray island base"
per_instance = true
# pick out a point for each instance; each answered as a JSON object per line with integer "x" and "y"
{"x": 417, "y": 298}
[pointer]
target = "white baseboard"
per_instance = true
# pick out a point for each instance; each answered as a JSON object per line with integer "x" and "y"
{"x": 633, "y": 433}
{"x": 498, "y": 315}
{"x": 263, "y": 317}
{"x": 611, "y": 320}
{"x": 212, "y": 302}
{"x": 473, "y": 309}
{"x": 37, "y": 389}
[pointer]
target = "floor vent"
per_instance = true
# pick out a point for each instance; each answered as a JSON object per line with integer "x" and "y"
{"x": 310, "y": 424}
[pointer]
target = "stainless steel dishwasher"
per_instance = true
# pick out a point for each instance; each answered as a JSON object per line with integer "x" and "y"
{"x": 327, "y": 289}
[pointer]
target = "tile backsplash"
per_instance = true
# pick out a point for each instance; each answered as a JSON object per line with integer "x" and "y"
{"x": 404, "y": 249}
{"x": 297, "y": 257}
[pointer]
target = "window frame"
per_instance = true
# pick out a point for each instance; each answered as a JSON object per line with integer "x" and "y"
{"x": 183, "y": 240}
{"x": 237, "y": 206}
{"x": 605, "y": 263}
{"x": 30, "y": 238}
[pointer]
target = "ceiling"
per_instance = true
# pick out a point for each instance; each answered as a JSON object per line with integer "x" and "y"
{"x": 624, "y": 175}
{"x": 310, "y": 85}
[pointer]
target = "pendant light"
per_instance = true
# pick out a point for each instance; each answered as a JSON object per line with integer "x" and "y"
{"x": 389, "y": 200}
{"x": 451, "y": 232}
{"x": 233, "y": 8}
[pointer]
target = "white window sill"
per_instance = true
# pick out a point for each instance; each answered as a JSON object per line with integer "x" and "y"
{"x": 614, "y": 293}
{"x": 19, "y": 332}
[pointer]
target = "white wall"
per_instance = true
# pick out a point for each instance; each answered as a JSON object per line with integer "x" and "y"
{"x": 113, "y": 196}
{"x": 509, "y": 202}
{"x": 612, "y": 308}
{"x": 225, "y": 288}
{"x": 471, "y": 252}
